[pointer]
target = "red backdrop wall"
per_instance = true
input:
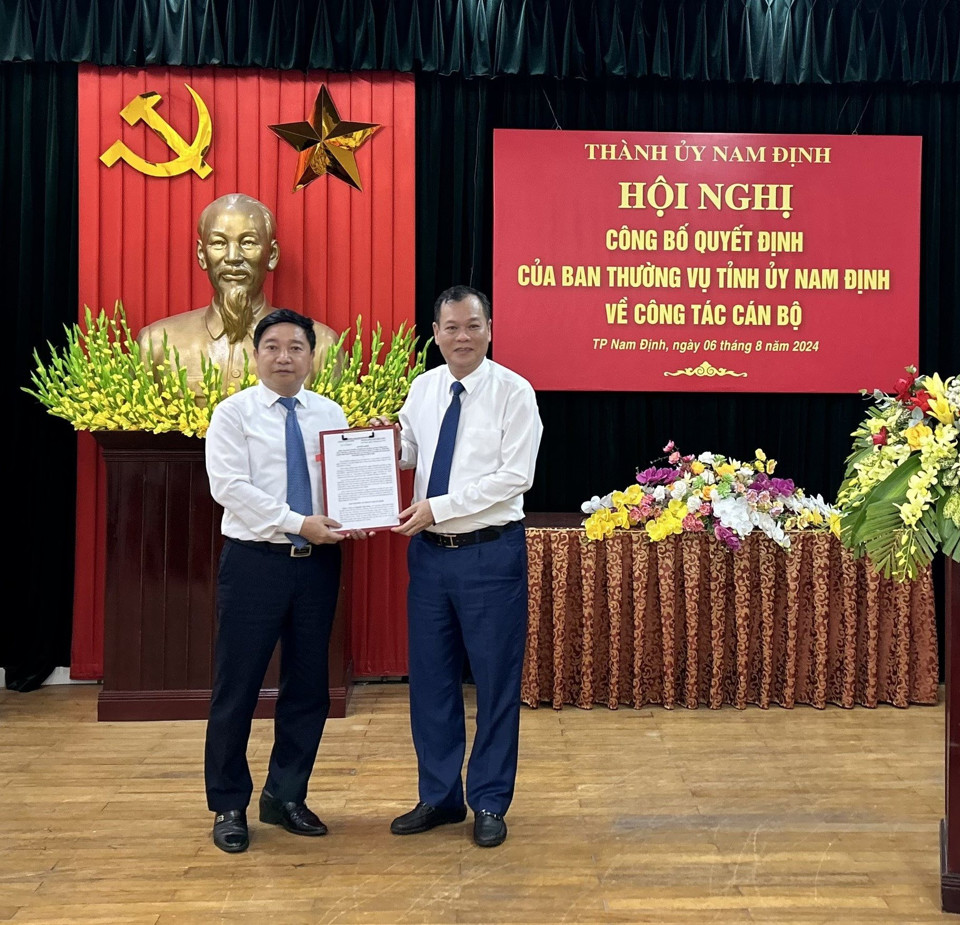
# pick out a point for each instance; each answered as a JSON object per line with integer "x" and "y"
{"x": 342, "y": 253}
{"x": 692, "y": 262}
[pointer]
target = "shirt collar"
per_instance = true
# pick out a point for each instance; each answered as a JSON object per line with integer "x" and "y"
{"x": 471, "y": 381}
{"x": 268, "y": 397}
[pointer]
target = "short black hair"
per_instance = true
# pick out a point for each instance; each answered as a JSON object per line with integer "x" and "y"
{"x": 458, "y": 294}
{"x": 285, "y": 316}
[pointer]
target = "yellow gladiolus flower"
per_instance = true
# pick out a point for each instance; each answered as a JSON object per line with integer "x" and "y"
{"x": 696, "y": 467}
{"x": 760, "y": 455}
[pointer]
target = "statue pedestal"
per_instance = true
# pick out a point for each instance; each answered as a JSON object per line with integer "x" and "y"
{"x": 163, "y": 548}
{"x": 950, "y": 825}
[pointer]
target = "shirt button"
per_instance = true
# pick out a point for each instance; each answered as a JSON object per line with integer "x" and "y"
{"x": 235, "y": 373}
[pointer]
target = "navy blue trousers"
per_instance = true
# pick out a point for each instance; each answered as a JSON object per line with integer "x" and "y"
{"x": 467, "y": 602}
{"x": 262, "y": 598}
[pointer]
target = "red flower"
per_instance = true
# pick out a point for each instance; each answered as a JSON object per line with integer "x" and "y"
{"x": 904, "y": 386}
{"x": 880, "y": 438}
{"x": 921, "y": 400}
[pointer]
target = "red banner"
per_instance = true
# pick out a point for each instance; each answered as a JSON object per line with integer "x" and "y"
{"x": 680, "y": 262}
{"x": 343, "y": 253}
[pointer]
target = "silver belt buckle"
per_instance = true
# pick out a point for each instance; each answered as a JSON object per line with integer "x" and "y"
{"x": 448, "y": 540}
{"x": 300, "y": 552}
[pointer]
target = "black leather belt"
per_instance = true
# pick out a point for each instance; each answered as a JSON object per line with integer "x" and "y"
{"x": 281, "y": 549}
{"x": 458, "y": 540}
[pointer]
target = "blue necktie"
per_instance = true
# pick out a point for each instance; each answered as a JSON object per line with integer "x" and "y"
{"x": 298, "y": 475}
{"x": 443, "y": 457}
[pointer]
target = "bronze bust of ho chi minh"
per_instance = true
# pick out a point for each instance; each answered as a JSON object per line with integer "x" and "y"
{"x": 237, "y": 247}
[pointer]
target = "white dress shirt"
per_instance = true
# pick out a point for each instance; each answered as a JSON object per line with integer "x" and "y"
{"x": 496, "y": 449}
{"x": 246, "y": 460}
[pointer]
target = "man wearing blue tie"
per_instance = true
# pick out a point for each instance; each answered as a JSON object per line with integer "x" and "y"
{"x": 279, "y": 578}
{"x": 471, "y": 429}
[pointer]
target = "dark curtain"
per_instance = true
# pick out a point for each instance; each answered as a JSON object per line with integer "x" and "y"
{"x": 38, "y": 271}
{"x": 593, "y": 442}
{"x": 775, "y": 41}
{"x": 826, "y": 66}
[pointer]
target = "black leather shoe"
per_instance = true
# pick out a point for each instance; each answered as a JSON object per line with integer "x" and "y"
{"x": 489, "y": 829}
{"x": 230, "y": 831}
{"x": 294, "y": 817}
{"x": 422, "y": 818}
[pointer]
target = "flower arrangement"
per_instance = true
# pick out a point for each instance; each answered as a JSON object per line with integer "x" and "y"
{"x": 99, "y": 382}
{"x": 378, "y": 388}
{"x": 899, "y": 500}
{"x": 710, "y": 494}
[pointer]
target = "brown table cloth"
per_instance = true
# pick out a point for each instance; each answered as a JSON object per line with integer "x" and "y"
{"x": 686, "y": 621}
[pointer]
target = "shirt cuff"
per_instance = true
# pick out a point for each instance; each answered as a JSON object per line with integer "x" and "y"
{"x": 441, "y": 507}
{"x": 293, "y": 523}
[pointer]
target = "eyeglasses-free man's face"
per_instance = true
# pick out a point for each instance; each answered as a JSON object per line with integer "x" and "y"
{"x": 284, "y": 358}
{"x": 463, "y": 335}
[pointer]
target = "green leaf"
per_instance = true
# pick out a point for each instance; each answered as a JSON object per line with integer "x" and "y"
{"x": 877, "y": 511}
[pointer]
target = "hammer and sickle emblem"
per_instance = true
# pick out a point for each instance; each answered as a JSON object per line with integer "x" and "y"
{"x": 189, "y": 156}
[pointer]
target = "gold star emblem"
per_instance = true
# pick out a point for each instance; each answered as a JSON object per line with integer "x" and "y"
{"x": 326, "y": 144}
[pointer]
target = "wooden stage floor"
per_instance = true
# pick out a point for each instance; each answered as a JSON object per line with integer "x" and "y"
{"x": 799, "y": 816}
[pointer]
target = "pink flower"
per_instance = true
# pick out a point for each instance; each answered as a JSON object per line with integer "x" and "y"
{"x": 693, "y": 523}
{"x": 674, "y": 458}
{"x": 726, "y": 535}
{"x": 635, "y": 514}
{"x": 655, "y": 476}
{"x": 763, "y": 483}
{"x": 669, "y": 447}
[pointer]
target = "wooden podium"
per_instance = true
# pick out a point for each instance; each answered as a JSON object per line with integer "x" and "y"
{"x": 163, "y": 548}
{"x": 950, "y": 826}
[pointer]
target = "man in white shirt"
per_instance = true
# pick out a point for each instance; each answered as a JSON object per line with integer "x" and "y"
{"x": 278, "y": 580}
{"x": 468, "y": 568}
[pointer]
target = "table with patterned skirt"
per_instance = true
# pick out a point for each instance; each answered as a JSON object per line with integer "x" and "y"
{"x": 686, "y": 621}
